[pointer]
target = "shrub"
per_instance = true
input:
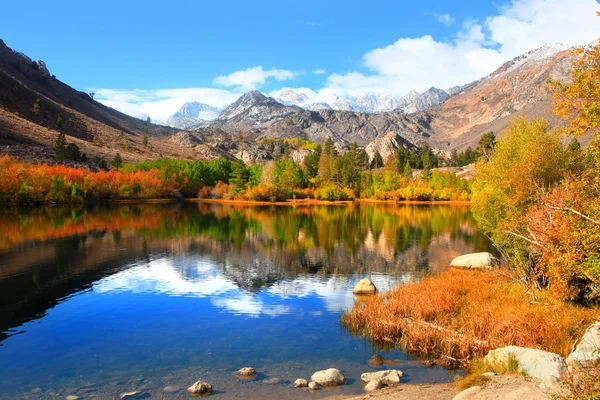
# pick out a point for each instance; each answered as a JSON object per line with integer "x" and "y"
{"x": 330, "y": 193}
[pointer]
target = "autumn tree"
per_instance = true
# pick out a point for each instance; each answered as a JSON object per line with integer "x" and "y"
{"x": 377, "y": 161}
{"x": 485, "y": 146}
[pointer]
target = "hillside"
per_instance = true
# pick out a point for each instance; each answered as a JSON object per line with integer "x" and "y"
{"x": 95, "y": 128}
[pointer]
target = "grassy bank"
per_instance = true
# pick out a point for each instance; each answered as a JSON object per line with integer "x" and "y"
{"x": 465, "y": 313}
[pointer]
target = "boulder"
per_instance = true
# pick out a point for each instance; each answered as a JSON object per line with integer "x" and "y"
{"x": 388, "y": 377}
{"x": 200, "y": 388}
{"x": 72, "y": 397}
{"x": 171, "y": 389}
{"x": 329, "y": 377}
{"x": 538, "y": 364}
{"x": 313, "y": 386}
{"x": 300, "y": 383}
{"x": 374, "y": 385}
{"x": 588, "y": 349}
{"x": 247, "y": 371}
{"x": 447, "y": 362}
{"x": 364, "y": 286}
{"x": 475, "y": 260}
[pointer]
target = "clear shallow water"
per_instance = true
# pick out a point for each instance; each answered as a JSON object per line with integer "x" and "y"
{"x": 100, "y": 301}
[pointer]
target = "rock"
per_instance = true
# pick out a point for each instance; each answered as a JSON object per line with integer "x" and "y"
{"x": 71, "y": 397}
{"x": 200, "y": 388}
{"x": 374, "y": 385}
{"x": 313, "y": 386}
{"x": 171, "y": 389}
{"x": 388, "y": 377}
{"x": 588, "y": 349}
{"x": 247, "y": 371}
{"x": 272, "y": 381}
{"x": 468, "y": 393}
{"x": 130, "y": 395}
{"x": 300, "y": 383}
{"x": 36, "y": 390}
{"x": 475, "y": 260}
{"x": 549, "y": 383}
{"x": 329, "y": 377}
{"x": 447, "y": 362}
{"x": 489, "y": 374}
{"x": 377, "y": 360}
{"x": 538, "y": 364}
{"x": 364, "y": 286}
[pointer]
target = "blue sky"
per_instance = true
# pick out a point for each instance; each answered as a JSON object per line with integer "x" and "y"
{"x": 150, "y": 56}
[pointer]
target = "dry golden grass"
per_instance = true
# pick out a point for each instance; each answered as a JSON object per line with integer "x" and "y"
{"x": 464, "y": 313}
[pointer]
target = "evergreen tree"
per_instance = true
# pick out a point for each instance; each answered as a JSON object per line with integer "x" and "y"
{"x": 311, "y": 163}
{"x": 239, "y": 177}
{"x": 145, "y": 141}
{"x": 60, "y": 147}
{"x": 407, "y": 170}
{"x": 117, "y": 162}
{"x": 377, "y": 161}
{"x": 72, "y": 152}
{"x": 326, "y": 161}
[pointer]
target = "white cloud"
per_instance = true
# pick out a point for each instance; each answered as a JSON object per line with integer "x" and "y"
{"x": 162, "y": 103}
{"x": 476, "y": 50}
{"x": 445, "y": 19}
{"x": 252, "y": 78}
{"x": 319, "y": 71}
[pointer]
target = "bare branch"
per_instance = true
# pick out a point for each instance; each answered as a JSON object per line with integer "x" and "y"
{"x": 593, "y": 221}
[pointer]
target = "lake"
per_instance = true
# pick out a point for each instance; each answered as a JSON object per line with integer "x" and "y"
{"x": 97, "y": 301}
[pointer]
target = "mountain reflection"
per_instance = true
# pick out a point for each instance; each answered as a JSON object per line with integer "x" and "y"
{"x": 248, "y": 260}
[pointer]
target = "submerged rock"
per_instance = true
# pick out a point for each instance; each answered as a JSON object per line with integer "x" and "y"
{"x": 388, "y": 377}
{"x": 130, "y": 395}
{"x": 171, "y": 389}
{"x": 300, "y": 383}
{"x": 364, "y": 286}
{"x": 377, "y": 360}
{"x": 538, "y": 364}
{"x": 329, "y": 377}
{"x": 475, "y": 260}
{"x": 200, "y": 388}
{"x": 247, "y": 371}
{"x": 313, "y": 386}
{"x": 447, "y": 362}
{"x": 272, "y": 381}
{"x": 588, "y": 349}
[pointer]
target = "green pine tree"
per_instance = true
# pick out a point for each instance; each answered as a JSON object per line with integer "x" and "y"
{"x": 117, "y": 162}
{"x": 60, "y": 147}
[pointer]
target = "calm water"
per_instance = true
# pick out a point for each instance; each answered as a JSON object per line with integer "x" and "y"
{"x": 99, "y": 301}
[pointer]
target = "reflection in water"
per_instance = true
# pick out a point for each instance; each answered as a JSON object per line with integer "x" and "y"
{"x": 170, "y": 291}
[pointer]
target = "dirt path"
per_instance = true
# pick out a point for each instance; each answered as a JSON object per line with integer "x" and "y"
{"x": 504, "y": 387}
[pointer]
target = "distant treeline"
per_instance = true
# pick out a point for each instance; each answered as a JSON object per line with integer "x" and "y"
{"x": 324, "y": 174}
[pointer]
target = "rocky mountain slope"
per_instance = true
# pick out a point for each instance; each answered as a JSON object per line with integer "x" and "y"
{"x": 252, "y": 112}
{"x": 517, "y": 88}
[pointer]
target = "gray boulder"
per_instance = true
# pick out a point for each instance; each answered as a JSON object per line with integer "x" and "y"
{"x": 475, "y": 260}
{"x": 588, "y": 349}
{"x": 388, "y": 377}
{"x": 535, "y": 363}
{"x": 329, "y": 377}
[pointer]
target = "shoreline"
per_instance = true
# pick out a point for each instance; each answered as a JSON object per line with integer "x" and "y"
{"x": 290, "y": 202}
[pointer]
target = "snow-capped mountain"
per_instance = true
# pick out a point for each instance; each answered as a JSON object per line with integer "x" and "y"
{"x": 367, "y": 103}
{"x": 193, "y": 115}
{"x": 426, "y": 100}
{"x": 143, "y": 117}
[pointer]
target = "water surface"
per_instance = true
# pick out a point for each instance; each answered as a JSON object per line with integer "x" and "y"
{"x": 99, "y": 301}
